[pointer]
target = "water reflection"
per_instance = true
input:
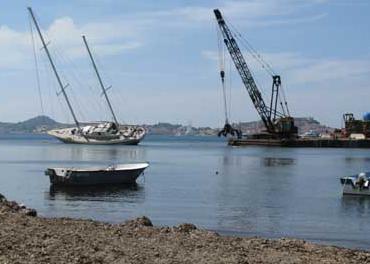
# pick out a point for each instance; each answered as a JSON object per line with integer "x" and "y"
{"x": 353, "y": 204}
{"x": 273, "y": 161}
{"x": 97, "y": 153}
{"x": 356, "y": 159}
{"x": 255, "y": 191}
{"x": 246, "y": 191}
{"x": 132, "y": 192}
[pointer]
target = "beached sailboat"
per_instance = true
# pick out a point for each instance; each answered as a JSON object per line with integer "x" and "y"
{"x": 99, "y": 133}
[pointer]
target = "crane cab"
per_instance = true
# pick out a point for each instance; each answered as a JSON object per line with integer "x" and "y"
{"x": 285, "y": 127}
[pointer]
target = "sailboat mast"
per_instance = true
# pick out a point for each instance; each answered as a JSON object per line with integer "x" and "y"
{"x": 100, "y": 81}
{"x": 54, "y": 69}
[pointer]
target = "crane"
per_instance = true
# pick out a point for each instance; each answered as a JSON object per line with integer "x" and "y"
{"x": 278, "y": 124}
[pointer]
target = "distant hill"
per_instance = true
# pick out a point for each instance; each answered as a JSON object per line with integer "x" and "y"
{"x": 304, "y": 124}
{"x": 33, "y": 125}
{"x": 40, "y": 124}
{"x": 179, "y": 130}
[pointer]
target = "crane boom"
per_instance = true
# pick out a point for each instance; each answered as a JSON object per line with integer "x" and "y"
{"x": 245, "y": 73}
{"x": 278, "y": 125}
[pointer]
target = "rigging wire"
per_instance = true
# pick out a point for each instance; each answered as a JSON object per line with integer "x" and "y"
{"x": 60, "y": 59}
{"x": 36, "y": 67}
{"x": 77, "y": 78}
{"x": 47, "y": 72}
{"x": 51, "y": 81}
{"x": 106, "y": 76}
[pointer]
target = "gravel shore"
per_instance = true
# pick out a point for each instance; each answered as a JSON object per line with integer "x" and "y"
{"x": 26, "y": 238}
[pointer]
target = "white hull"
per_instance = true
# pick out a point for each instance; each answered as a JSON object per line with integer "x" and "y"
{"x": 122, "y": 137}
{"x": 348, "y": 189}
{"x": 356, "y": 184}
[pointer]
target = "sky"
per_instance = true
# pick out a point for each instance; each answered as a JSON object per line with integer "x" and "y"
{"x": 161, "y": 59}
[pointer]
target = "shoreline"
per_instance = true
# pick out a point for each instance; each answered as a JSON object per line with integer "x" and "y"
{"x": 27, "y": 238}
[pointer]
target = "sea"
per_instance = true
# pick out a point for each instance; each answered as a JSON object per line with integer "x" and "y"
{"x": 268, "y": 192}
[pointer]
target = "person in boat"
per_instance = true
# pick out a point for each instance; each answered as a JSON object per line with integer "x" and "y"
{"x": 362, "y": 181}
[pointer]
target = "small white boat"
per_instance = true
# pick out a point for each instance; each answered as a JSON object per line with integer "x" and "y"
{"x": 356, "y": 184}
{"x": 116, "y": 174}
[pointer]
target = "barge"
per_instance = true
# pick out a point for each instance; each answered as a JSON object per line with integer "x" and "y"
{"x": 303, "y": 142}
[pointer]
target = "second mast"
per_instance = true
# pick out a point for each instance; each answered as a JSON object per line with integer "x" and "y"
{"x": 101, "y": 82}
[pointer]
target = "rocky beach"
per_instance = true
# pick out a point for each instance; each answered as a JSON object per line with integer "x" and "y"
{"x": 28, "y": 238}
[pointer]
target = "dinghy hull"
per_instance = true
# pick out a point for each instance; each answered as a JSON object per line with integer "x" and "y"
{"x": 121, "y": 174}
{"x": 356, "y": 184}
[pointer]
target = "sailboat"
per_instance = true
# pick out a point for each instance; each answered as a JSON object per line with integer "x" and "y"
{"x": 101, "y": 133}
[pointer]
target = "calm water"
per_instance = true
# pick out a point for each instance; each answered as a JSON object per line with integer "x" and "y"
{"x": 270, "y": 192}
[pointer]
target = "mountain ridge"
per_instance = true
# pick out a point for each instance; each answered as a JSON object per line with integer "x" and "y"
{"x": 42, "y": 123}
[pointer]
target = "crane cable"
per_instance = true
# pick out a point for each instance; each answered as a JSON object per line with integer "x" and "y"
{"x": 221, "y": 58}
{"x": 285, "y": 101}
{"x": 265, "y": 65}
{"x": 230, "y": 87}
{"x": 227, "y": 129}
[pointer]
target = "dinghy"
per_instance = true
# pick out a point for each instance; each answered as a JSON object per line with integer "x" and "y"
{"x": 114, "y": 174}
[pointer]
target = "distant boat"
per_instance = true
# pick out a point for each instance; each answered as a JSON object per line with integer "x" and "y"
{"x": 311, "y": 134}
{"x": 117, "y": 174}
{"x": 356, "y": 184}
{"x": 101, "y": 133}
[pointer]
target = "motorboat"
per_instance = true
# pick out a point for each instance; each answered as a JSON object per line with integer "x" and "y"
{"x": 113, "y": 174}
{"x": 356, "y": 184}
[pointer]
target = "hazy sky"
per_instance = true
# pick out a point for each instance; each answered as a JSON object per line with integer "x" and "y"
{"x": 161, "y": 58}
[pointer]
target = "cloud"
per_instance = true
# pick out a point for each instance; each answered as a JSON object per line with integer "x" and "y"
{"x": 105, "y": 37}
{"x": 299, "y": 69}
{"x": 64, "y": 35}
{"x": 13, "y": 47}
{"x": 325, "y": 70}
{"x": 161, "y": 35}
{"x": 320, "y": 87}
{"x": 253, "y": 13}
